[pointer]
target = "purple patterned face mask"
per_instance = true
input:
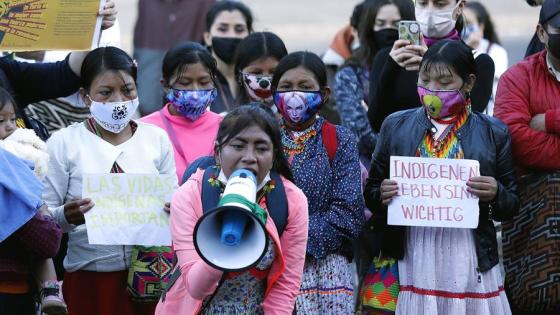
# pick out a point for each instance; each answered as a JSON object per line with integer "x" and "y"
{"x": 442, "y": 103}
{"x": 191, "y": 103}
{"x": 297, "y": 107}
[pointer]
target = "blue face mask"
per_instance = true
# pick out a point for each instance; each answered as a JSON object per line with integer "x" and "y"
{"x": 191, "y": 103}
{"x": 468, "y": 31}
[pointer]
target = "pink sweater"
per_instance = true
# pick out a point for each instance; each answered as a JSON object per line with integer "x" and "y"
{"x": 198, "y": 280}
{"x": 194, "y": 138}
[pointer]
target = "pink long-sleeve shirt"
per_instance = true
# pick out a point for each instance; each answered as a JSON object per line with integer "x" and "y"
{"x": 198, "y": 280}
{"x": 193, "y": 138}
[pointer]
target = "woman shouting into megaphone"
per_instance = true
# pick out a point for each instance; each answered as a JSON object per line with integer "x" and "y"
{"x": 210, "y": 277}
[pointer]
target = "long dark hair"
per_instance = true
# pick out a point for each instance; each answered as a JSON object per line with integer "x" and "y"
{"x": 254, "y": 47}
{"x": 305, "y": 59}
{"x": 228, "y": 5}
{"x": 450, "y": 54}
{"x": 460, "y": 24}
{"x": 365, "y": 54}
{"x": 246, "y": 116}
{"x": 104, "y": 59}
{"x": 483, "y": 18}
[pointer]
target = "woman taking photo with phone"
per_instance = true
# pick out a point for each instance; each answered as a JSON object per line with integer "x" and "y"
{"x": 378, "y": 29}
{"x": 395, "y": 71}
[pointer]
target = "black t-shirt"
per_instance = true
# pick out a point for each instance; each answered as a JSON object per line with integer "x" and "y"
{"x": 392, "y": 88}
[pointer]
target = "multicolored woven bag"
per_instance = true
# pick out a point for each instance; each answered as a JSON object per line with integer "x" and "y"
{"x": 531, "y": 243}
{"x": 149, "y": 272}
{"x": 380, "y": 287}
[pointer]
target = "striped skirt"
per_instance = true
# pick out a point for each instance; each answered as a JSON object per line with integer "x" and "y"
{"x": 439, "y": 276}
{"x": 326, "y": 287}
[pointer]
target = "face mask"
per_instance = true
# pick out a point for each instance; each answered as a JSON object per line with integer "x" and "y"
{"x": 258, "y": 87}
{"x": 297, "y": 107}
{"x": 115, "y": 116}
{"x": 225, "y": 47}
{"x": 191, "y": 103}
{"x": 386, "y": 37}
{"x": 553, "y": 45}
{"x": 442, "y": 103}
{"x": 469, "y": 30}
{"x": 435, "y": 23}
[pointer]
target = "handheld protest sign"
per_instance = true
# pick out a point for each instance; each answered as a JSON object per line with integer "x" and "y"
{"x": 128, "y": 208}
{"x": 433, "y": 192}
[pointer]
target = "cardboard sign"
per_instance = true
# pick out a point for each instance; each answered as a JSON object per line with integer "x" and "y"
{"x": 433, "y": 192}
{"x": 128, "y": 208}
{"x": 27, "y": 25}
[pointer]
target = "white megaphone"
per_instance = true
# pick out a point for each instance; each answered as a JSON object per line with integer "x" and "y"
{"x": 231, "y": 237}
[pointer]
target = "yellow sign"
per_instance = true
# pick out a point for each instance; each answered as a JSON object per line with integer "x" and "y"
{"x": 27, "y": 25}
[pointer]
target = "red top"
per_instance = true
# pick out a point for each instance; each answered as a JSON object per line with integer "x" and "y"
{"x": 525, "y": 90}
{"x": 37, "y": 239}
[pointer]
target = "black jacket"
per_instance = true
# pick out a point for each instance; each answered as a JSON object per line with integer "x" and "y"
{"x": 482, "y": 138}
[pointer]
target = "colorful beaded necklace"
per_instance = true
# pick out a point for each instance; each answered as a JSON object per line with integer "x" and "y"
{"x": 447, "y": 145}
{"x": 294, "y": 142}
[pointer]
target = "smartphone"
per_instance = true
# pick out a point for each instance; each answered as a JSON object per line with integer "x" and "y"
{"x": 410, "y": 30}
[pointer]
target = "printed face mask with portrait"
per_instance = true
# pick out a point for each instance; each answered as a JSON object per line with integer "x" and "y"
{"x": 113, "y": 116}
{"x": 258, "y": 87}
{"x": 297, "y": 107}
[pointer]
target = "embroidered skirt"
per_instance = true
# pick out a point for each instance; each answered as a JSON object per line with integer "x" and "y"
{"x": 439, "y": 275}
{"x": 326, "y": 287}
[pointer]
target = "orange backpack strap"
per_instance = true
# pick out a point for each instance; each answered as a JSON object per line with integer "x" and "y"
{"x": 330, "y": 141}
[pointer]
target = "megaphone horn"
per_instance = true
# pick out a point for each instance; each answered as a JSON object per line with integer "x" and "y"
{"x": 232, "y": 236}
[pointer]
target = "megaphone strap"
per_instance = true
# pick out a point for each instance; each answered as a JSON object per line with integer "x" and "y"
{"x": 257, "y": 210}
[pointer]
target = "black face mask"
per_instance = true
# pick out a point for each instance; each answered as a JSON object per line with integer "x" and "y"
{"x": 225, "y": 47}
{"x": 385, "y": 37}
{"x": 554, "y": 45}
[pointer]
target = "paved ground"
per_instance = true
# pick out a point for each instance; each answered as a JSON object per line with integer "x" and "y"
{"x": 310, "y": 24}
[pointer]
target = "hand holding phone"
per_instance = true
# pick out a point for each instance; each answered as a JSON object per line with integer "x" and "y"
{"x": 410, "y": 30}
{"x": 407, "y": 52}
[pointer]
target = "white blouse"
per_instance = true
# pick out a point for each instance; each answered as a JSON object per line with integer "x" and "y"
{"x": 75, "y": 151}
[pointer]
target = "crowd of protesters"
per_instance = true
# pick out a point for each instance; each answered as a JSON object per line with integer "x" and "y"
{"x": 215, "y": 95}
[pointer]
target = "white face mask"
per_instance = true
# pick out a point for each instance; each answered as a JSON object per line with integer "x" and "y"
{"x": 114, "y": 116}
{"x": 435, "y": 23}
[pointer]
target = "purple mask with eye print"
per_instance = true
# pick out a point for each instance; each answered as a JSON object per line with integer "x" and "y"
{"x": 297, "y": 107}
{"x": 191, "y": 103}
